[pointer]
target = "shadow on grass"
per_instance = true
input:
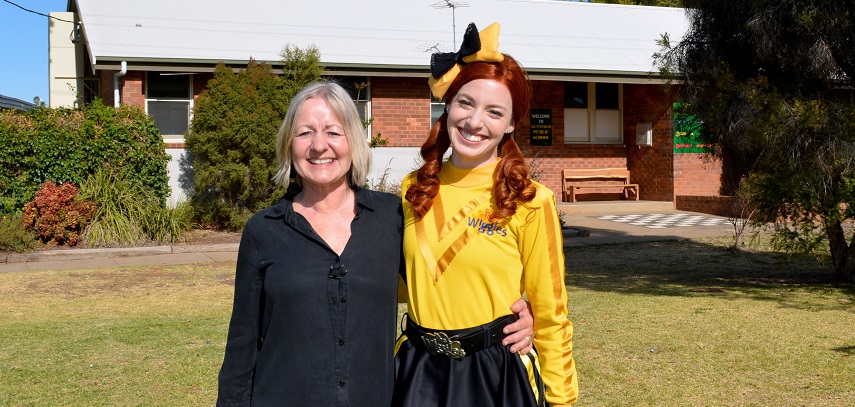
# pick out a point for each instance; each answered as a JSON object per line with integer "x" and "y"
{"x": 848, "y": 350}
{"x": 692, "y": 268}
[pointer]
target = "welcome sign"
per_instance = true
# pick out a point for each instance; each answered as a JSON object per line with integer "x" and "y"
{"x": 541, "y": 127}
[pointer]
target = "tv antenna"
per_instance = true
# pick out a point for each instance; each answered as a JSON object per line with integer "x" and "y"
{"x": 453, "y": 5}
{"x": 434, "y": 47}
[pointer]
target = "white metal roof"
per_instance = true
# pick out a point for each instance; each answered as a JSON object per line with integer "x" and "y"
{"x": 544, "y": 35}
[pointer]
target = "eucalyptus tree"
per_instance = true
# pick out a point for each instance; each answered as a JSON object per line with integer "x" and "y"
{"x": 772, "y": 81}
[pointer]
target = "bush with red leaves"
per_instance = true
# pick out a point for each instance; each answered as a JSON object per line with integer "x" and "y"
{"x": 56, "y": 215}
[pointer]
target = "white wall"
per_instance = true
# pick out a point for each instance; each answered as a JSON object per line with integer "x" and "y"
{"x": 400, "y": 161}
{"x": 173, "y": 168}
{"x": 65, "y": 67}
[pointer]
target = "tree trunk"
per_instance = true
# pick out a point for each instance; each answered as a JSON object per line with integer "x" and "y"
{"x": 849, "y": 268}
{"x": 842, "y": 255}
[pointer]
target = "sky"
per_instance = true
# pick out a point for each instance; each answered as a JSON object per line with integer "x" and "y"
{"x": 24, "y": 48}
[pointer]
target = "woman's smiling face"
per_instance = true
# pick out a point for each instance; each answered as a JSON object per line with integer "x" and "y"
{"x": 479, "y": 115}
{"x": 320, "y": 152}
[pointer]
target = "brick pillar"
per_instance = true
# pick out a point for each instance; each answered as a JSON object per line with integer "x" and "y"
{"x": 132, "y": 88}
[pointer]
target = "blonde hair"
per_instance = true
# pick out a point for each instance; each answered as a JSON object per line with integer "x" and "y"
{"x": 344, "y": 110}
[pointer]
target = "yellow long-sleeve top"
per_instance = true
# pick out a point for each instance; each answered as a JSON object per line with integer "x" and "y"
{"x": 464, "y": 270}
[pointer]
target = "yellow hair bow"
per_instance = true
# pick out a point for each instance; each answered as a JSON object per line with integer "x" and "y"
{"x": 477, "y": 46}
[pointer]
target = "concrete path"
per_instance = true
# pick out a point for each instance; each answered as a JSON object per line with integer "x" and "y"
{"x": 584, "y": 229}
{"x": 65, "y": 259}
{"x": 605, "y": 228}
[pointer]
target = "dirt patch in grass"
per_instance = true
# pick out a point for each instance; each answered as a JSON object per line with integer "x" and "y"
{"x": 209, "y": 236}
{"x": 120, "y": 282}
{"x": 91, "y": 283}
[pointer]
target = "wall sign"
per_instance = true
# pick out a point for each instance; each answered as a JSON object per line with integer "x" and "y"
{"x": 541, "y": 127}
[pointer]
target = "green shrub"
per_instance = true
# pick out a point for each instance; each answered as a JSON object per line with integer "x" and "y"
{"x": 233, "y": 134}
{"x": 13, "y": 236}
{"x": 57, "y": 215}
{"x": 129, "y": 213}
{"x": 379, "y": 140}
{"x": 66, "y": 145}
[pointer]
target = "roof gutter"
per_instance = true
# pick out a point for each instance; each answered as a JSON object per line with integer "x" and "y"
{"x": 116, "y": 77}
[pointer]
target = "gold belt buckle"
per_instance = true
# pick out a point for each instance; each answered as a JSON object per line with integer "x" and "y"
{"x": 440, "y": 344}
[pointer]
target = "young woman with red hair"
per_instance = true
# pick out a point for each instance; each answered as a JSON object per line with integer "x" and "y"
{"x": 478, "y": 233}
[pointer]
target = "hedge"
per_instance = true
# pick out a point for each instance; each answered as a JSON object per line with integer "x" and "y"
{"x": 66, "y": 145}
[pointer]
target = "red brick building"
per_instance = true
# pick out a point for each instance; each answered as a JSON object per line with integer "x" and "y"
{"x": 597, "y": 100}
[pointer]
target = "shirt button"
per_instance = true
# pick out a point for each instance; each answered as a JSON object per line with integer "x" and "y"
{"x": 341, "y": 342}
{"x": 343, "y": 299}
{"x": 341, "y": 383}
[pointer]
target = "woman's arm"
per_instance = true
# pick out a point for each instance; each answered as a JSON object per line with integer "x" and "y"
{"x": 542, "y": 250}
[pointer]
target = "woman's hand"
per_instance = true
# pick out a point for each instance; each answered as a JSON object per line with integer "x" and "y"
{"x": 520, "y": 332}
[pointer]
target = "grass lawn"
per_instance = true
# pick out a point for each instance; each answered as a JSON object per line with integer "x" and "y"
{"x": 691, "y": 324}
{"x": 660, "y": 324}
{"x": 148, "y": 336}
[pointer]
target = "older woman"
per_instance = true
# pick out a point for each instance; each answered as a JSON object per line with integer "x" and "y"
{"x": 315, "y": 299}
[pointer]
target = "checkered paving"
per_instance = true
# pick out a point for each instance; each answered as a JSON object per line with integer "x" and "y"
{"x": 662, "y": 220}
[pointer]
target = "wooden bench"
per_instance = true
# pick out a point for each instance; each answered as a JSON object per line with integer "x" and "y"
{"x": 574, "y": 179}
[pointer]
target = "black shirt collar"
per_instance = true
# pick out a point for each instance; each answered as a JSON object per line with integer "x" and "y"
{"x": 285, "y": 206}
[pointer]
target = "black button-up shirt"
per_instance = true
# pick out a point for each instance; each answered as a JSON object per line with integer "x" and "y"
{"x": 309, "y": 327}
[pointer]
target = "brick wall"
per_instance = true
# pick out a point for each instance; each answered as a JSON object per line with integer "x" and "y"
{"x": 401, "y": 110}
{"x": 714, "y": 205}
{"x": 651, "y": 166}
{"x": 200, "y": 83}
{"x": 132, "y": 88}
{"x": 550, "y": 160}
{"x": 697, "y": 174}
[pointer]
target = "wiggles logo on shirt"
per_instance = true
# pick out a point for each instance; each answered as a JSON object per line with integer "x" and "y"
{"x": 486, "y": 227}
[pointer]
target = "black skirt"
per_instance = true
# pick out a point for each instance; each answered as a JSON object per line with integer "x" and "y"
{"x": 492, "y": 376}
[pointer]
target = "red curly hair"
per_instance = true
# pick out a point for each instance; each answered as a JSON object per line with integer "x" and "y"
{"x": 511, "y": 184}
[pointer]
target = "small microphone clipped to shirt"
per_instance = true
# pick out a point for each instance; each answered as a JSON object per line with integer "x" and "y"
{"x": 337, "y": 271}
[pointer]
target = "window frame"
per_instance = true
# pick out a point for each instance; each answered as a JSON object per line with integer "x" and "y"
{"x": 437, "y": 104}
{"x": 363, "y": 103}
{"x": 188, "y": 99}
{"x": 595, "y": 120}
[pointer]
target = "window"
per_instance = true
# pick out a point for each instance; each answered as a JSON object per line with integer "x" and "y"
{"x": 169, "y": 101}
{"x": 437, "y": 106}
{"x": 359, "y": 89}
{"x": 91, "y": 89}
{"x": 592, "y": 113}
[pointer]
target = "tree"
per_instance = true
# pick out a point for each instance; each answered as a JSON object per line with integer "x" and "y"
{"x": 233, "y": 133}
{"x": 773, "y": 82}
{"x": 658, "y": 3}
{"x": 299, "y": 68}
